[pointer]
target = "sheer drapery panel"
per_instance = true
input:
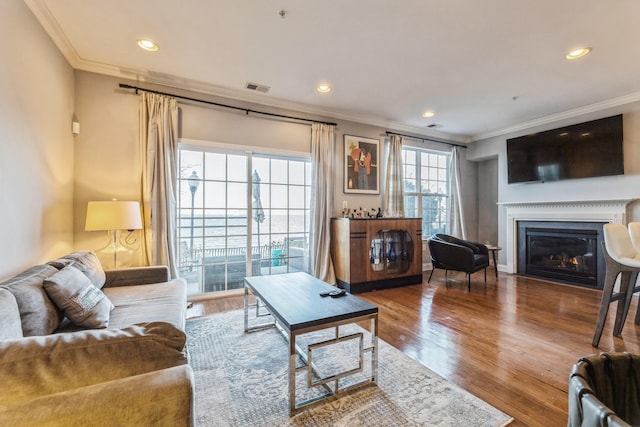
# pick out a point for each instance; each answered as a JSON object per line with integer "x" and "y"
{"x": 322, "y": 185}
{"x": 393, "y": 203}
{"x": 456, "y": 208}
{"x": 158, "y": 121}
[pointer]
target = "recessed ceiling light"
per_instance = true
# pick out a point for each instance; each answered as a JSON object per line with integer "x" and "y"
{"x": 147, "y": 44}
{"x": 428, "y": 114}
{"x": 578, "y": 53}
{"x": 324, "y": 88}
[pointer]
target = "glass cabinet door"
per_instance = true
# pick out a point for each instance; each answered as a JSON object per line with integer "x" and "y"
{"x": 391, "y": 250}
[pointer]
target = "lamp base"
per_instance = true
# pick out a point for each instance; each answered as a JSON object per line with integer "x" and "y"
{"x": 114, "y": 255}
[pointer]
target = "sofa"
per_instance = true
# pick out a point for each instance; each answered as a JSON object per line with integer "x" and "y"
{"x": 83, "y": 346}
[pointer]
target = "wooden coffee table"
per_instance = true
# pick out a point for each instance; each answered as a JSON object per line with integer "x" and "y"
{"x": 293, "y": 300}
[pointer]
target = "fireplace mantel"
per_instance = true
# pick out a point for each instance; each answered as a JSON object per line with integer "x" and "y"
{"x": 608, "y": 211}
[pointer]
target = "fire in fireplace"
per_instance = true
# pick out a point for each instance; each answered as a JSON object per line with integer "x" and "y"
{"x": 567, "y": 252}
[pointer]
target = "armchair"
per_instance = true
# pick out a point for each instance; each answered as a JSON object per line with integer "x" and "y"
{"x": 451, "y": 253}
{"x": 603, "y": 391}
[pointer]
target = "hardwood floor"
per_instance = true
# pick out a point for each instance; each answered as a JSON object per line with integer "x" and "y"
{"x": 511, "y": 344}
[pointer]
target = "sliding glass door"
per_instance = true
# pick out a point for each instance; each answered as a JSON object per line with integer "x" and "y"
{"x": 241, "y": 214}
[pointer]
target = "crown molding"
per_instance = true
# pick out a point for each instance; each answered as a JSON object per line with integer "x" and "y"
{"x": 576, "y": 112}
{"x": 51, "y": 26}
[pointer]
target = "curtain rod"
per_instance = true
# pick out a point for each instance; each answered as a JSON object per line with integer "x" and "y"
{"x": 246, "y": 110}
{"x": 425, "y": 139}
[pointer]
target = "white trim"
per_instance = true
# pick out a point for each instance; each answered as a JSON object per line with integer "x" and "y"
{"x": 609, "y": 211}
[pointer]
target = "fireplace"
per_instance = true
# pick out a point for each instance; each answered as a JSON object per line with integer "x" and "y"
{"x": 562, "y": 251}
{"x": 564, "y": 213}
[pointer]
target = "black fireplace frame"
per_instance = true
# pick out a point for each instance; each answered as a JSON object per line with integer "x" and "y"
{"x": 562, "y": 228}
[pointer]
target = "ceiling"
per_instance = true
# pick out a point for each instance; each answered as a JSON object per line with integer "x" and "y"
{"x": 484, "y": 67}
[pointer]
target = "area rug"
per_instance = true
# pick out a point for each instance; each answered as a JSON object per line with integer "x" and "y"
{"x": 241, "y": 380}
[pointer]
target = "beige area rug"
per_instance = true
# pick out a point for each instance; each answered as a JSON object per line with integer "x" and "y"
{"x": 241, "y": 380}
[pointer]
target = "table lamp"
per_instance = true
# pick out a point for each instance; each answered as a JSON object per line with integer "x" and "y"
{"x": 113, "y": 216}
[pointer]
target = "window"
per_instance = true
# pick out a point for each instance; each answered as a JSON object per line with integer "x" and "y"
{"x": 426, "y": 188}
{"x": 241, "y": 214}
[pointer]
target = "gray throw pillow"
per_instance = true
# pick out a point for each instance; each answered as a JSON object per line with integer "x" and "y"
{"x": 84, "y": 304}
{"x": 85, "y": 261}
{"x": 38, "y": 314}
{"x": 9, "y": 316}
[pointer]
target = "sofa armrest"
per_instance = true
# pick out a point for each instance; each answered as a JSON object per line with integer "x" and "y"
{"x": 137, "y": 276}
{"x": 159, "y": 398}
{"x": 41, "y": 365}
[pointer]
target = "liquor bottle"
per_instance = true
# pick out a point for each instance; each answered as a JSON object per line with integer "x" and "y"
{"x": 391, "y": 255}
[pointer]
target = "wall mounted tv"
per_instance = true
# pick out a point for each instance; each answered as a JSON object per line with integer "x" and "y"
{"x": 578, "y": 151}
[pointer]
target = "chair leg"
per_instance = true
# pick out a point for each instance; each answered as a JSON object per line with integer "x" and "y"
{"x": 627, "y": 286}
{"x": 432, "y": 270}
{"x": 469, "y": 282}
{"x": 609, "y": 282}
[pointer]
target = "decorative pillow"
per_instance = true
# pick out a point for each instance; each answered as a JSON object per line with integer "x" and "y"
{"x": 85, "y": 261}
{"x": 82, "y": 303}
{"x": 38, "y": 314}
{"x": 9, "y": 316}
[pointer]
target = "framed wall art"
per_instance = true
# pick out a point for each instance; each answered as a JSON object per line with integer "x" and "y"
{"x": 361, "y": 160}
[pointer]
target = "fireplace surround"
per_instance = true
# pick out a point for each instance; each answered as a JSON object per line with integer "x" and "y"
{"x": 595, "y": 211}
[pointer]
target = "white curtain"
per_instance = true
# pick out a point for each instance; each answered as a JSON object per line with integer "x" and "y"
{"x": 393, "y": 202}
{"x": 322, "y": 185}
{"x": 456, "y": 211}
{"x": 159, "y": 149}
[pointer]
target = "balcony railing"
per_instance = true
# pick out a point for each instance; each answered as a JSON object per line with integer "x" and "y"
{"x": 265, "y": 251}
{"x": 216, "y": 269}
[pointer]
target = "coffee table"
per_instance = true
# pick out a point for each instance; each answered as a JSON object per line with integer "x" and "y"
{"x": 295, "y": 306}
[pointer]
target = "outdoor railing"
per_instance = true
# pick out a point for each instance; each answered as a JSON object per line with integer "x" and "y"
{"x": 265, "y": 251}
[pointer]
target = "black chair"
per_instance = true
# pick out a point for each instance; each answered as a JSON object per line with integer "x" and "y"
{"x": 604, "y": 390}
{"x": 451, "y": 253}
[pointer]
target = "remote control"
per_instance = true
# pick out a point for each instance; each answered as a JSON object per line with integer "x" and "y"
{"x": 337, "y": 294}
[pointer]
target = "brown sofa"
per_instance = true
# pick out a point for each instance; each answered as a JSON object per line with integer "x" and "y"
{"x": 96, "y": 348}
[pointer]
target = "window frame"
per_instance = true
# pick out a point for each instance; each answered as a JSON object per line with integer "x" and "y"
{"x": 435, "y": 174}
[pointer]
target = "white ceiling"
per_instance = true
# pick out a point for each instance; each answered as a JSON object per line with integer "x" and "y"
{"x": 485, "y": 67}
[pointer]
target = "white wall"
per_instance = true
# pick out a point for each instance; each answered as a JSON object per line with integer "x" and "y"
{"x": 36, "y": 144}
{"x": 605, "y": 188}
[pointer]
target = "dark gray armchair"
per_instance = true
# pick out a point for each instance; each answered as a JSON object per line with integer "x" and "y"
{"x": 451, "y": 253}
{"x": 604, "y": 390}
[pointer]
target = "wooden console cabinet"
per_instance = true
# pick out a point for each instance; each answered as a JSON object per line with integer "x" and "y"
{"x": 376, "y": 253}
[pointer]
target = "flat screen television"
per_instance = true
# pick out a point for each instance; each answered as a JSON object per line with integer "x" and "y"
{"x": 584, "y": 150}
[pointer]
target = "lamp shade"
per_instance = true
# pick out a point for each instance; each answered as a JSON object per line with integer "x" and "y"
{"x": 113, "y": 215}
